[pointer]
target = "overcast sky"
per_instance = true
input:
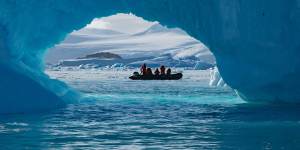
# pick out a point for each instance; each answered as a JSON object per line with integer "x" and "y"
{"x": 126, "y": 23}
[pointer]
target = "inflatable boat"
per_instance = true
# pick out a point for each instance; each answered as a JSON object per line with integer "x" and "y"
{"x": 137, "y": 76}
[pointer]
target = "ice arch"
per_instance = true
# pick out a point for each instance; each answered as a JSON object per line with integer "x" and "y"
{"x": 256, "y": 43}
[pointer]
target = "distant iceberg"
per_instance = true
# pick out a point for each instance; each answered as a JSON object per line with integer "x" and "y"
{"x": 154, "y": 62}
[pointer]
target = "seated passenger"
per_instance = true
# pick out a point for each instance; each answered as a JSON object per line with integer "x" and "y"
{"x": 144, "y": 69}
{"x": 149, "y": 71}
{"x": 169, "y": 72}
{"x": 156, "y": 72}
{"x": 162, "y": 70}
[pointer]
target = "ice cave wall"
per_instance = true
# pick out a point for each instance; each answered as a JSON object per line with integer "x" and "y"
{"x": 256, "y": 43}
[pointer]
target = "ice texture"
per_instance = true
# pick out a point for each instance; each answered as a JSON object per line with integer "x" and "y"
{"x": 216, "y": 79}
{"x": 256, "y": 43}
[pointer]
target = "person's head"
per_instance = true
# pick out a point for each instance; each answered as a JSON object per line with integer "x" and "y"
{"x": 162, "y": 66}
{"x": 144, "y": 65}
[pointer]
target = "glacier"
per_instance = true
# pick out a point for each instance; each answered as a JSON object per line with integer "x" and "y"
{"x": 256, "y": 43}
{"x": 152, "y": 40}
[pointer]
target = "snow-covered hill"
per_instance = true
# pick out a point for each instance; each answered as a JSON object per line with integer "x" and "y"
{"x": 155, "y": 41}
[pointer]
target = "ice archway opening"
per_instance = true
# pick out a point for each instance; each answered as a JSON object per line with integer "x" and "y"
{"x": 247, "y": 37}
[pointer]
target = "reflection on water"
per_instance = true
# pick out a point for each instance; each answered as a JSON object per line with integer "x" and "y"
{"x": 123, "y": 114}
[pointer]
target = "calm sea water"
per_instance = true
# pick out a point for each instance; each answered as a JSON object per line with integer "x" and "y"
{"x": 117, "y": 113}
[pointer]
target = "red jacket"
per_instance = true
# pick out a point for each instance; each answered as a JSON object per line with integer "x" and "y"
{"x": 143, "y": 70}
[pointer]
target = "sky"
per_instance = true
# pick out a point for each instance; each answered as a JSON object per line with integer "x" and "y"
{"x": 125, "y": 23}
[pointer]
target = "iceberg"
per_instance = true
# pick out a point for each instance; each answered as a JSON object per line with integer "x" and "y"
{"x": 256, "y": 43}
{"x": 216, "y": 79}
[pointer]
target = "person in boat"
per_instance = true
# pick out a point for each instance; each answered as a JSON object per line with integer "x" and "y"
{"x": 144, "y": 69}
{"x": 156, "y": 72}
{"x": 169, "y": 71}
{"x": 162, "y": 70}
{"x": 149, "y": 71}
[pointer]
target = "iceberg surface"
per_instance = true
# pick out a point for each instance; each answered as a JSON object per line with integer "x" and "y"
{"x": 256, "y": 43}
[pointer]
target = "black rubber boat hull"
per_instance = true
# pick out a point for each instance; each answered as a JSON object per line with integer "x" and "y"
{"x": 177, "y": 76}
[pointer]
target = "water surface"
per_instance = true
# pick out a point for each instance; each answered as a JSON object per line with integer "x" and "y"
{"x": 118, "y": 113}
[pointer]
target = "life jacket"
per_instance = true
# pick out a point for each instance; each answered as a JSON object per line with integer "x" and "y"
{"x": 162, "y": 70}
{"x": 143, "y": 70}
